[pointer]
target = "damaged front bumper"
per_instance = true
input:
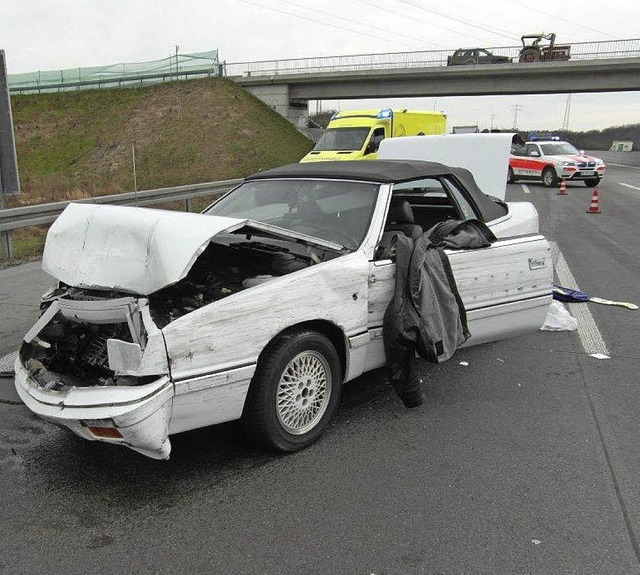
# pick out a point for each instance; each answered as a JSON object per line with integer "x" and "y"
{"x": 137, "y": 417}
{"x": 97, "y": 364}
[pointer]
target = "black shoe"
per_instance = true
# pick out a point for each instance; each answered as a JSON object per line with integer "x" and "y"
{"x": 413, "y": 398}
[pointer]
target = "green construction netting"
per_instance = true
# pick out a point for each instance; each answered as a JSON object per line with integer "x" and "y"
{"x": 174, "y": 67}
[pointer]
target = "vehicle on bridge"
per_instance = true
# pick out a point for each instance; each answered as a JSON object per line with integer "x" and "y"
{"x": 356, "y": 134}
{"x": 464, "y": 56}
{"x": 260, "y": 308}
{"x": 532, "y": 51}
{"x": 551, "y": 161}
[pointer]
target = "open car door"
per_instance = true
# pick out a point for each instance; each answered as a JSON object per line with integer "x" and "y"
{"x": 505, "y": 289}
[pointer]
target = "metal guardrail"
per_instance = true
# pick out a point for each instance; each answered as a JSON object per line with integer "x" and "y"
{"x": 346, "y": 63}
{"x": 26, "y": 216}
{"x": 422, "y": 59}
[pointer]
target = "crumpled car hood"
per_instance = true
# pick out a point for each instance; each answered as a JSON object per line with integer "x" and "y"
{"x": 134, "y": 250}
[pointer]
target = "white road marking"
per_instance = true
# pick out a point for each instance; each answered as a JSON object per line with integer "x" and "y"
{"x": 588, "y": 331}
{"x": 623, "y": 166}
{"x": 525, "y": 188}
{"x": 629, "y": 186}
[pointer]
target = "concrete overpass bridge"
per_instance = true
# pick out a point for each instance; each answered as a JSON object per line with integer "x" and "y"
{"x": 288, "y": 85}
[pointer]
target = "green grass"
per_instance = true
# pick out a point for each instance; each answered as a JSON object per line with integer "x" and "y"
{"x": 73, "y": 145}
{"x": 79, "y": 144}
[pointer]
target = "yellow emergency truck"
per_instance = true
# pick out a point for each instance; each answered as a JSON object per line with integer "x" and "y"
{"x": 356, "y": 134}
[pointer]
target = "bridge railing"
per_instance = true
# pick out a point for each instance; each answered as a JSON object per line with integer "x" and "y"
{"x": 416, "y": 59}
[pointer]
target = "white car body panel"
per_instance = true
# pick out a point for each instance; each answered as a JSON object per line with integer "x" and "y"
{"x": 486, "y": 156}
{"x": 203, "y": 361}
{"x": 522, "y": 219}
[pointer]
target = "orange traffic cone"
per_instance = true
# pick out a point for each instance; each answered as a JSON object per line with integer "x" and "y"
{"x": 563, "y": 188}
{"x": 594, "y": 208}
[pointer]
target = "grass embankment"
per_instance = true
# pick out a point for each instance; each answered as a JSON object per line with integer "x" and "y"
{"x": 74, "y": 145}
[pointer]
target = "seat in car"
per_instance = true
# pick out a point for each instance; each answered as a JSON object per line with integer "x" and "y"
{"x": 400, "y": 219}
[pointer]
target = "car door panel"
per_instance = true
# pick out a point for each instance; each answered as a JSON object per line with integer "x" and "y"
{"x": 382, "y": 276}
{"x": 505, "y": 288}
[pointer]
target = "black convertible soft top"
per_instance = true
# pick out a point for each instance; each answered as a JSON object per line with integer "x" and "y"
{"x": 388, "y": 172}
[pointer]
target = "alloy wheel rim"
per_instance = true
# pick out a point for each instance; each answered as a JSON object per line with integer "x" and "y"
{"x": 303, "y": 392}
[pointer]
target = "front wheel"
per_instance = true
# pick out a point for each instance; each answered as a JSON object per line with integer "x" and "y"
{"x": 294, "y": 392}
{"x": 511, "y": 177}
{"x": 549, "y": 177}
{"x": 592, "y": 182}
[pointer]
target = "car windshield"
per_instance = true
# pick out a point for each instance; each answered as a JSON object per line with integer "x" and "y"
{"x": 559, "y": 149}
{"x": 337, "y": 211}
{"x": 341, "y": 139}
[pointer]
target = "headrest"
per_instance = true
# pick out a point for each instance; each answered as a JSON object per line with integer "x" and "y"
{"x": 400, "y": 212}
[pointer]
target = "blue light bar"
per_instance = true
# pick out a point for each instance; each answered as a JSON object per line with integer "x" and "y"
{"x": 385, "y": 114}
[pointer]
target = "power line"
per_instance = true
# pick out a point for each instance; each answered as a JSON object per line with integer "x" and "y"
{"x": 351, "y": 21}
{"x": 337, "y": 26}
{"x": 556, "y": 17}
{"x": 491, "y": 15}
{"x": 456, "y": 19}
{"x": 414, "y": 18}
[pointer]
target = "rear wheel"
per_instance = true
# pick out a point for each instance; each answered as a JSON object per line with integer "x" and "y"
{"x": 549, "y": 177}
{"x": 511, "y": 177}
{"x": 294, "y": 392}
{"x": 529, "y": 55}
{"x": 592, "y": 182}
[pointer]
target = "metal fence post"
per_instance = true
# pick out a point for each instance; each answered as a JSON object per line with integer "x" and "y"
{"x": 9, "y": 182}
{"x": 6, "y": 249}
{"x": 7, "y": 246}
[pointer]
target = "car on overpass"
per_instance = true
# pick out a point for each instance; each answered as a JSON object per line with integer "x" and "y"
{"x": 261, "y": 307}
{"x": 551, "y": 161}
{"x": 464, "y": 56}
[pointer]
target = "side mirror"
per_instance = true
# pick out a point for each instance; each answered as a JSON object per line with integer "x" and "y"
{"x": 582, "y": 152}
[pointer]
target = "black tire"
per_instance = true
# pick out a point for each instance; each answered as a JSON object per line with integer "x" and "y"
{"x": 529, "y": 55}
{"x": 511, "y": 177}
{"x": 549, "y": 177}
{"x": 592, "y": 182}
{"x": 273, "y": 416}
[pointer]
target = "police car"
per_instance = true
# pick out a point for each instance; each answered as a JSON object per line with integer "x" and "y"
{"x": 551, "y": 161}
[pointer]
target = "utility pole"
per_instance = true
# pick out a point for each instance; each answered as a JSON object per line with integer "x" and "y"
{"x": 567, "y": 112}
{"x": 135, "y": 175}
{"x": 493, "y": 117}
{"x": 516, "y": 109}
{"x": 9, "y": 180}
{"x": 177, "y": 65}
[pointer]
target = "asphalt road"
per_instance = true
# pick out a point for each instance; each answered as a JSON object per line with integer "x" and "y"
{"x": 524, "y": 461}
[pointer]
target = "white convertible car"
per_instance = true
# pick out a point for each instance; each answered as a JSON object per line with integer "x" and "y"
{"x": 261, "y": 307}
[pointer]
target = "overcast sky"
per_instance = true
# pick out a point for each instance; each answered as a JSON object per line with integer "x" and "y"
{"x": 54, "y": 34}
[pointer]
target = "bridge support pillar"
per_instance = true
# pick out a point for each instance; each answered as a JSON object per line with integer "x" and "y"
{"x": 276, "y": 96}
